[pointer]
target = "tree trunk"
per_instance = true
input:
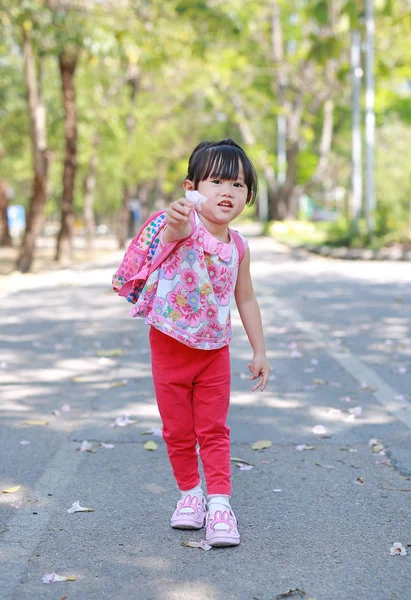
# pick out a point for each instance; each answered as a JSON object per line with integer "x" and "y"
{"x": 37, "y": 116}
{"x": 5, "y": 237}
{"x": 67, "y": 64}
{"x": 89, "y": 189}
{"x": 133, "y": 77}
{"x": 124, "y": 215}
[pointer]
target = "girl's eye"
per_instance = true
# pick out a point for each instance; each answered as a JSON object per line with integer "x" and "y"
{"x": 216, "y": 181}
{"x": 238, "y": 184}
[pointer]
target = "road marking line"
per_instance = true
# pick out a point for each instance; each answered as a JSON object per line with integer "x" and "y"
{"x": 384, "y": 393}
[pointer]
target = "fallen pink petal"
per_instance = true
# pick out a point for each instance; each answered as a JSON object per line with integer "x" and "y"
{"x": 25, "y": 442}
{"x": 356, "y": 410}
{"x": 123, "y": 422}
{"x": 53, "y": 578}
{"x": 85, "y": 446}
{"x": 302, "y": 447}
{"x": 65, "y": 408}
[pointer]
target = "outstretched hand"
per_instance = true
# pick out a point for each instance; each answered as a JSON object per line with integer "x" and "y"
{"x": 178, "y": 212}
{"x": 260, "y": 368}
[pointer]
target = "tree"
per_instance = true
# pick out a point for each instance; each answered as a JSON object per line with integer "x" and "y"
{"x": 37, "y": 115}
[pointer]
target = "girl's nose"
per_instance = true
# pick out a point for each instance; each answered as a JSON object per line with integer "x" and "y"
{"x": 227, "y": 190}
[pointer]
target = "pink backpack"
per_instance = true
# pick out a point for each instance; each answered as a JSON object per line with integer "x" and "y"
{"x": 138, "y": 262}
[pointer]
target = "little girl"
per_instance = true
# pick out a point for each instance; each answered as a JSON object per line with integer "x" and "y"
{"x": 187, "y": 303}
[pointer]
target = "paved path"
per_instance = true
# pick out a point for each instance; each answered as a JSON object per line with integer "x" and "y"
{"x": 306, "y": 521}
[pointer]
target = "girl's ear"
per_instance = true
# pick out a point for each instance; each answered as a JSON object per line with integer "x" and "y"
{"x": 188, "y": 185}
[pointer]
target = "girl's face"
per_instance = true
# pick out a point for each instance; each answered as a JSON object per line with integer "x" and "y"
{"x": 225, "y": 199}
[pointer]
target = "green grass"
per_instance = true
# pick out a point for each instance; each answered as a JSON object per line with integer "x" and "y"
{"x": 339, "y": 233}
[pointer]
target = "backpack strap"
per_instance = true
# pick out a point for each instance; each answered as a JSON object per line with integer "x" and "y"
{"x": 238, "y": 240}
{"x": 145, "y": 273}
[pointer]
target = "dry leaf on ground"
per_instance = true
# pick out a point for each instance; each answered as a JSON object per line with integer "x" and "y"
{"x": 111, "y": 352}
{"x": 262, "y": 444}
{"x": 150, "y": 445}
{"x": 115, "y": 384}
{"x": 202, "y": 544}
{"x": 12, "y": 489}
{"x": 290, "y": 592}
{"x": 239, "y": 460}
{"x": 36, "y": 422}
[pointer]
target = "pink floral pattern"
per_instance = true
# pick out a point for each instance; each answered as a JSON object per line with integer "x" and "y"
{"x": 189, "y": 296}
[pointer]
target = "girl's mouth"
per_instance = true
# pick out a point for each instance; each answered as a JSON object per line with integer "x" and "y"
{"x": 226, "y": 204}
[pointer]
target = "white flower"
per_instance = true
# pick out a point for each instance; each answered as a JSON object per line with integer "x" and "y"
{"x": 52, "y": 577}
{"x": 373, "y": 442}
{"x": 356, "y": 410}
{"x": 350, "y": 419}
{"x": 75, "y": 507}
{"x": 397, "y": 548}
{"x": 302, "y": 447}
{"x": 103, "y": 445}
{"x": 195, "y": 197}
{"x": 122, "y": 422}
{"x": 85, "y": 446}
{"x": 319, "y": 430}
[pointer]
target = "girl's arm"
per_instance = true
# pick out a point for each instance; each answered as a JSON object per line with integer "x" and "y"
{"x": 178, "y": 221}
{"x": 251, "y": 318}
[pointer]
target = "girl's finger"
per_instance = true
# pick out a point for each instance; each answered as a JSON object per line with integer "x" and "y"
{"x": 257, "y": 386}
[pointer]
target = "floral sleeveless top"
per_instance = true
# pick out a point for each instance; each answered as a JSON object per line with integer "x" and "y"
{"x": 188, "y": 296}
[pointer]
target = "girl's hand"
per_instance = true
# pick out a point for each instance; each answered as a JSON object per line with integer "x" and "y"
{"x": 178, "y": 213}
{"x": 260, "y": 368}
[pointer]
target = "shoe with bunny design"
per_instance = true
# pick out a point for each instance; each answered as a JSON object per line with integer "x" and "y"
{"x": 221, "y": 529}
{"x": 189, "y": 513}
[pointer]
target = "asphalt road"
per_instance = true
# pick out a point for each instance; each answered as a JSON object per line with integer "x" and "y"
{"x": 321, "y": 521}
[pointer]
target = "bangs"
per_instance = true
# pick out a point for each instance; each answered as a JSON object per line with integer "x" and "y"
{"x": 221, "y": 160}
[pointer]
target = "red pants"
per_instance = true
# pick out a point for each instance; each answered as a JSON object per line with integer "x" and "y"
{"x": 193, "y": 394}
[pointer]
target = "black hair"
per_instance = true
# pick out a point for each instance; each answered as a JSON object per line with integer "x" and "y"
{"x": 221, "y": 159}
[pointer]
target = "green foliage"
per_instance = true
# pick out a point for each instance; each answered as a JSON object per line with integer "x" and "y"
{"x": 191, "y": 61}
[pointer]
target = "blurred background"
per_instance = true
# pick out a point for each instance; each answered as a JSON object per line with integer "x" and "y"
{"x": 102, "y": 102}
